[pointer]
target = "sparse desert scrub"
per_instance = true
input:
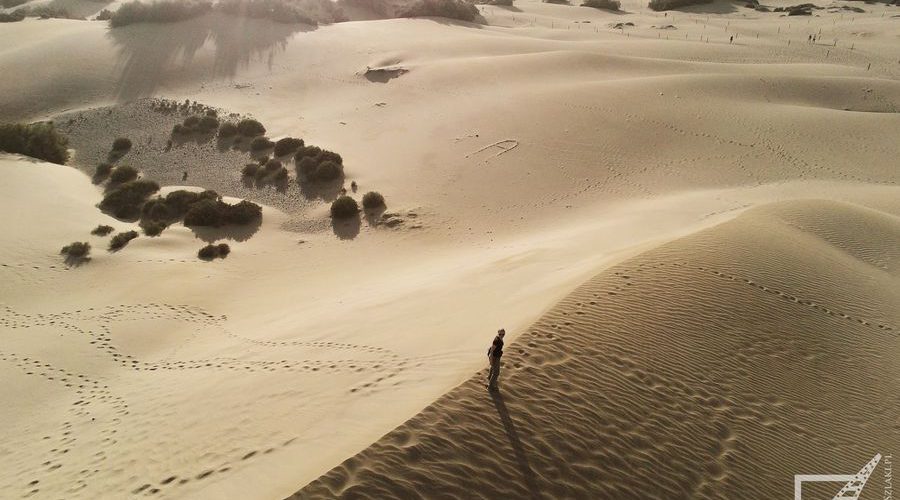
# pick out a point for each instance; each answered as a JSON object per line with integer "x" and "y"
{"x": 102, "y": 172}
{"x": 250, "y": 170}
{"x": 161, "y": 11}
{"x": 227, "y": 130}
{"x": 659, "y": 5}
{"x": 8, "y": 4}
{"x": 121, "y": 145}
{"x": 37, "y": 140}
{"x": 216, "y": 213}
{"x": 123, "y": 173}
{"x": 210, "y": 252}
{"x": 76, "y": 250}
{"x": 102, "y": 230}
{"x": 603, "y": 4}
{"x": 196, "y": 124}
{"x": 103, "y": 15}
{"x": 121, "y": 239}
{"x": 250, "y": 128}
{"x": 261, "y": 144}
{"x": 452, "y": 9}
{"x": 286, "y": 146}
{"x": 373, "y": 201}
{"x": 12, "y": 17}
{"x": 318, "y": 165}
{"x": 344, "y": 207}
{"x": 280, "y": 11}
{"x": 179, "y": 202}
{"x": 154, "y": 228}
{"x": 126, "y": 200}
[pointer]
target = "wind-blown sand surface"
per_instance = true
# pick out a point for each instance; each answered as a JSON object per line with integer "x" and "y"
{"x": 527, "y": 156}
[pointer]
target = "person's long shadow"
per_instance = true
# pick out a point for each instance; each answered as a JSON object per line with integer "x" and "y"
{"x": 519, "y": 451}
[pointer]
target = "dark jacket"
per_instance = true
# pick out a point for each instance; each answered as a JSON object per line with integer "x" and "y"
{"x": 496, "y": 349}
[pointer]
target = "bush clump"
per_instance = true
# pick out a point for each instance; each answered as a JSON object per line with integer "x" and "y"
{"x": 102, "y": 172}
{"x": 154, "y": 228}
{"x": 123, "y": 173}
{"x": 121, "y": 239}
{"x": 208, "y": 124}
{"x": 250, "y": 128}
{"x": 344, "y": 207}
{"x": 227, "y": 130}
{"x": 102, "y": 230}
{"x": 250, "y": 170}
{"x": 286, "y": 146}
{"x": 261, "y": 144}
{"x": 121, "y": 145}
{"x": 37, "y": 140}
{"x": 126, "y": 200}
{"x": 160, "y": 11}
{"x": 452, "y": 9}
{"x": 318, "y": 165}
{"x": 196, "y": 124}
{"x": 659, "y": 5}
{"x": 76, "y": 250}
{"x": 179, "y": 202}
{"x": 216, "y": 213}
{"x": 8, "y": 4}
{"x": 210, "y": 252}
{"x": 12, "y": 17}
{"x": 373, "y": 200}
{"x": 603, "y": 4}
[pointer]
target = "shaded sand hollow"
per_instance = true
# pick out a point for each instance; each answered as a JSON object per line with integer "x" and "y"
{"x": 715, "y": 366}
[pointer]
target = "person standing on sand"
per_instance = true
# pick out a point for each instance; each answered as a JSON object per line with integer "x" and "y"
{"x": 494, "y": 353}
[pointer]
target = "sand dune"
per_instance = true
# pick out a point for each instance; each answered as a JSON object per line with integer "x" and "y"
{"x": 523, "y": 157}
{"x": 695, "y": 370}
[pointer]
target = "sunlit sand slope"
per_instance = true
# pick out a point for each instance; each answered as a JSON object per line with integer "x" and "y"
{"x": 715, "y": 366}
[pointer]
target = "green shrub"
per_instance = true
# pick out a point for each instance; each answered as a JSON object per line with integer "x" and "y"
{"x": 103, "y": 15}
{"x": 250, "y": 128}
{"x": 102, "y": 172}
{"x": 8, "y": 4}
{"x": 209, "y": 252}
{"x": 123, "y": 173}
{"x": 102, "y": 230}
{"x": 328, "y": 171}
{"x": 344, "y": 207}
{"x": 126, "y": 200}
{"x": 121, "y": 239}
{"x": 452, "y": 9}
{"x": 37, "y": 140}
{"x": 160, "y": 11}
{"x": 250, "y": 170}
{"x": 603, "y": 4}
{"x": 260, "y": 144}
{"x": 659, "y": 5}
{"x": 154, "y": 228}
{"x": 156, "y": 210}
{"x": 179, "y": 202}
{"x": 227, "y": 130}
{"x": 192, "y": 122}
{"x": 76, "y": 250}
{"x": 273, "y": 165}
{"x": 208, "y": 124}
{"x": 373, "y": 200}
{"x": 121, "y": 145}
{"x": 12, "y": 17}
{"x": 216, "y": 213}
{"x": 223, "y": 249}
{"x": 286, "y": 146}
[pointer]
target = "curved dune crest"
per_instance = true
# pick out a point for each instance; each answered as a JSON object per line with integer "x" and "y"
{"x": 716, "y": 366}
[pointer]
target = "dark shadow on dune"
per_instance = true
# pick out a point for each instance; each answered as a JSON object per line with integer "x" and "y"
{"x": 325, "y": 191}
{"x": 73, "y": 261}
{"x": 384, "y": 75}
{"x": 346, "y": 229}
{"x": 521, "y": 459}
{"x": 148, "y": 54}
{"x": 234, "y": 233}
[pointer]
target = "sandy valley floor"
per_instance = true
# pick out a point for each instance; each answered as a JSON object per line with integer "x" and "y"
{"x": 694, "y": 244}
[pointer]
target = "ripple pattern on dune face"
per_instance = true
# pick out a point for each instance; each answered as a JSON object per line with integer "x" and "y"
{"x": 716, "y": 366}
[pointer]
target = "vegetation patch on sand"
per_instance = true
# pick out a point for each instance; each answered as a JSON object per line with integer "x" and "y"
{"x": 211, "y": 251}
{"x": 659, "y": 5}
{"x": 603, "y": 4}
{"x": 160, "y": 11}
{"x": 451, "y": 9}
{"x": 121, "y": 239}
{"x": 37, "y": 140}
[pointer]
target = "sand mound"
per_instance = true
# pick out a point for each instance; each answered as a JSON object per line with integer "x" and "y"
{"x": 715, "y": 366}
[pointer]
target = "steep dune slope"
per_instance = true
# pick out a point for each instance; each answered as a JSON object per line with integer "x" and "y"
{"x": 715, "y": 366}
